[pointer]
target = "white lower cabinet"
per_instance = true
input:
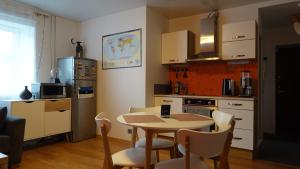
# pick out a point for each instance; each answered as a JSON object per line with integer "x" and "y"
{"x": 242, "y": 139}
{"x": 32, "y": 111}
{"x": 43, "y": 117}
{"x": 243, "y": 112}
{"x": 57, "y": 122}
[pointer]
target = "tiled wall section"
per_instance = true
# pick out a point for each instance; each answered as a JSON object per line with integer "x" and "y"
{"x": 205, "y": 78}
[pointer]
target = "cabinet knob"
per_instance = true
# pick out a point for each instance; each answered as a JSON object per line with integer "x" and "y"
{"x": 62, "y": 110}
{"x": 29, "y": 101}
{"x": 239, "y": 56}
{"x": 238, "y": 37}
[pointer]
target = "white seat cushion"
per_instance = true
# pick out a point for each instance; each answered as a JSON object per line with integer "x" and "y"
{"x": 179, "y": 163}
{"x": 157, "y": 143}
{"x": 134, "y": 157}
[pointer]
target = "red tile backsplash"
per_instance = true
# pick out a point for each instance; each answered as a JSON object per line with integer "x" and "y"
{"x": 205, "y": 78}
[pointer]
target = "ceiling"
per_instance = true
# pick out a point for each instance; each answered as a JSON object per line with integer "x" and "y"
{"x": 279, "y": 15}
{"x": 81, "y": 10}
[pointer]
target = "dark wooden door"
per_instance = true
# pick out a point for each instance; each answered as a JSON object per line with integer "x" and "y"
{"x": 288, "y": 91}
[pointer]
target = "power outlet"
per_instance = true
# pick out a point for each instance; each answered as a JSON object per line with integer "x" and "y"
{"x": 129, "y": 131}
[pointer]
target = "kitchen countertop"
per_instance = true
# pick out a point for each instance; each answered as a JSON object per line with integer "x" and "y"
{"x": 209, "y": 97}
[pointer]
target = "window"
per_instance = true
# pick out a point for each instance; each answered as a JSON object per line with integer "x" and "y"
{"x": 17, "y": 55}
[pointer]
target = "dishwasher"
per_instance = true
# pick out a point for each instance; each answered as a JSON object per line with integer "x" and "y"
{"x": 201, "y": 106}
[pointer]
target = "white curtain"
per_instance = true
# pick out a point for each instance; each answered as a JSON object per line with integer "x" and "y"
{"x": 25, "y": 48}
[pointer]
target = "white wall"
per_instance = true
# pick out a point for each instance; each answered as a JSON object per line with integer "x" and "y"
{"x": 65, "y": 30}
{"x": 117, "y": 88}
{"x": 155, "y": 71}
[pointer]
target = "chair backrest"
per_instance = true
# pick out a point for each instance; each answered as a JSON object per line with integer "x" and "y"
{"x": 222, "y": 119}
{"x": 204, "y": 144}
{"x": 104, "y": 126}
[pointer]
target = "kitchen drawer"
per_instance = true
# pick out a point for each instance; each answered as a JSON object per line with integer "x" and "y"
{"x": 239, "y": 50}
{"x": 239, "y": 31}
{"x": 57, "y": 105}
{"x": 57, "y": 122}
{"x": 243, "y": 118}
{"x": 242, "y": 139}
{"x": 176, "y": 103}
{"x": 236, "y": 104}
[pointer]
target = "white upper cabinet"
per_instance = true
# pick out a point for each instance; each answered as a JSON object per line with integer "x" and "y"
{"x": 239, "y": 40}
{"x": 239, "y": 31}
{"x": 177, "y": 46}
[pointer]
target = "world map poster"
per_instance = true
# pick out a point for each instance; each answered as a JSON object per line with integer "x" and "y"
{"x": 122, "y": 50}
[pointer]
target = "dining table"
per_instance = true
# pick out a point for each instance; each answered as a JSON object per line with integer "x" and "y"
{"x": 152, "y": 122}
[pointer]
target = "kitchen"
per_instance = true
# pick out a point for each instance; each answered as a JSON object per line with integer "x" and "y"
{"x": 199, "y": 79}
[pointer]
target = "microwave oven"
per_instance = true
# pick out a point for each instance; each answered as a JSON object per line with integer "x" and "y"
{"x": 49, "y": 90}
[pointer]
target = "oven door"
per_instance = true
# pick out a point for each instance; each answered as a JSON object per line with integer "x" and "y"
{"x": 201, "y": 110}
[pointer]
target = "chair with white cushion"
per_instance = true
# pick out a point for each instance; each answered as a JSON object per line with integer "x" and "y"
{"x": 131, "y": 157}
{"x": 202, "y": 144}
{"x": 222, "y": 120}
{"x": 157, "y": 143}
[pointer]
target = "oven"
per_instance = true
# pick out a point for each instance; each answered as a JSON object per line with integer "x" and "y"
{"x": 201, "y": 106}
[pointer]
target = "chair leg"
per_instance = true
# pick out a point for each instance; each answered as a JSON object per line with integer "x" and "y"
{"x": 215, "y": 164}
{"x": 172, "y": 153}
{"x": 157, "y": 155}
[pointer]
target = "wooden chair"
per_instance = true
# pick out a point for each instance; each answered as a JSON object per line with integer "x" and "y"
{"x": 222, "y": 120}
{"x": 131, "y": 157}
{"x": 202, "y": 144}
{"x": 157, "y": 143}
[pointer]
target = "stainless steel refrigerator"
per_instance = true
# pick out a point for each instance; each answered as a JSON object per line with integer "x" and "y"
{"x": 80, "y": 75}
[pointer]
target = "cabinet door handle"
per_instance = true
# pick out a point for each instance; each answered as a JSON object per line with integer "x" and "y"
{"x": 239, "y": 56}
{"x": 29, "y": 101}
{"x": 239, "y": 37}
{"x": 172, "y": 60}
{"x": 237, "y": 138}
{"x": 62, "y": 110}
{"x": 168, "y": 101}
{"x": 238, "y": 119}
{"x": 53, "y": 100}
{"x": 235, "y": 104}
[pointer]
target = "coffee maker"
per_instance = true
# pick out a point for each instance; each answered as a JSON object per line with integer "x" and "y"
{"x": 246, "y": 84}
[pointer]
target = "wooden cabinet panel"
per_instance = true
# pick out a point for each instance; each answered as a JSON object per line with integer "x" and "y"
{"x": 239, "y": 50}
{"x": 57, "y": 122}
{"x": 33, "y": 112}
{"x": 57, "y": 105}
{"x": 176, "y": 46}
{"x": 239, "y": 31}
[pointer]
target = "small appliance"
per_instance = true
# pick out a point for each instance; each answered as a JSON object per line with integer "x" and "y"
{"x": 49, "y": 90}
{"x": 228, "y": 87}
{"x": 246, "y": 84}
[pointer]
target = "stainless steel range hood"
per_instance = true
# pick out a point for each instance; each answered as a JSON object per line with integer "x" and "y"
{"x": 208, "y": 40}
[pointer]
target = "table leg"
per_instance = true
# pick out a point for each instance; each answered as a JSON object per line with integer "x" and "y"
{"x": 148, "y": 150}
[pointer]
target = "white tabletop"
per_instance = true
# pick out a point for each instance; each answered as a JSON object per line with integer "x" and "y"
{"x": 168, "y": 124}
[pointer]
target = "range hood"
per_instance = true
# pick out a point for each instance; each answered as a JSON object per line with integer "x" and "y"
{"x": 208, "y": 40}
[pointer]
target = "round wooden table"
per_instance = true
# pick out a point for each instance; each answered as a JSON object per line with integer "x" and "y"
{"x": 159, "y": 124}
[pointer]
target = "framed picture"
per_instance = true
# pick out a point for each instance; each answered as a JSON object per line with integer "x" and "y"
{"x": 122, "y": 50}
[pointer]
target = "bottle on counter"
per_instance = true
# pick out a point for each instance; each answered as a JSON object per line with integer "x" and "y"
{"x": 177, "y": 88}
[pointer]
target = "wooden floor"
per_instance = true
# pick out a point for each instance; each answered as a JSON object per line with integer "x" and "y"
{"x": 89, "y": 155}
